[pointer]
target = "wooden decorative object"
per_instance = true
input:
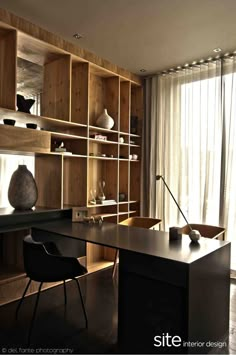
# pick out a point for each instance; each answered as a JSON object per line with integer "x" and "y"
{"x": 79, "y": 213}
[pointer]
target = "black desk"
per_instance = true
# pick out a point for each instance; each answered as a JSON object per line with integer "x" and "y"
{"x": 164, "y": 287}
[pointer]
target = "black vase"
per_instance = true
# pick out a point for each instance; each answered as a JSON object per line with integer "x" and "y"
{"x": 24, "y": 105}
{"x": 22, "y": 192}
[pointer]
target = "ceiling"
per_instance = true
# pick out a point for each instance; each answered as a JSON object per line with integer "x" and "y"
{"x": 138, "y": 34}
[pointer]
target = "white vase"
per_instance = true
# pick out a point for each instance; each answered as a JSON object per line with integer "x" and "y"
{"x": 105, "y": 121}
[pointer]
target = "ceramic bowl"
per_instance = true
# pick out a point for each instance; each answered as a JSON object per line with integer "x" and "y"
{"x": 31, "y": 125}
{"x": 9, "y": 122}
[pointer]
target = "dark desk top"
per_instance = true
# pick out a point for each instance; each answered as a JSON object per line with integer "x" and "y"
{"x": 144, "y": 241}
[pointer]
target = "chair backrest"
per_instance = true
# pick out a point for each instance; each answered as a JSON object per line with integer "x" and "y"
{"x": 205, "y": 230}
{"x": 34, "y": 254}
{"x": 142, "y": 222}
{"x": 41, "y": 265}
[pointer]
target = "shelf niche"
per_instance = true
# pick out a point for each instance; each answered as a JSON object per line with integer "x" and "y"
{"x": 8, "y": 49}
{"x": 80, "y": 93}
{"x": 104, "y": 93}
{"x": 74, "y": 181}
{"x": 103, "y": 170}
{"x": 56, "y": 98}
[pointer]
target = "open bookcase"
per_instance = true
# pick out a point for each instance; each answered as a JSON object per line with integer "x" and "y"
{"x": 74, "y": 86}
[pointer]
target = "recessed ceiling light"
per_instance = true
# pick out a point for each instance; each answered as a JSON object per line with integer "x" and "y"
{"x": 216, "y": 50}
{"x": 77, "y": 36}
{"x": 143, "y": 70}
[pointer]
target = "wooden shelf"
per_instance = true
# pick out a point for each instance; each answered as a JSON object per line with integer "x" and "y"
{"x": 101, "y": 205}
{"x": 66, "y": 136}
{"x": 9, "y": 274}
{"x": 102, "y": 158}
{"x": 74, "y": 87}
{"x": 100, "y": 141}
{"x": 125, "y": 144}
{"x": 99, "y": 129}
{"x": 33, "y": 154}
{"x": 43, "y": 122}
{"x": 135, "y": 135}
{"x": 99, "y": 265}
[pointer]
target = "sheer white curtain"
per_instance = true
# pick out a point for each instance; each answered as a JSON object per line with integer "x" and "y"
{"x": 192, "y": 144}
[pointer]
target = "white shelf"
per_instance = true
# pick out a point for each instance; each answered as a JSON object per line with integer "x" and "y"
{"x": 66, "y": 136}
{"x": 44, "y": 122}
{"x": 101, "y": 141}
{"x": 99, "y": 129}
{"x": 101, "y": 158}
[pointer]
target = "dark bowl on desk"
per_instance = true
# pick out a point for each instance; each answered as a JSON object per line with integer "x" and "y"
{"x": 9, "y": 122}
{"x": 31, "y": 125}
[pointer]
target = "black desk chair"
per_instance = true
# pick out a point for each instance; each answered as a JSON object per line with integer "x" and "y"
{"x": 44, "y": 263}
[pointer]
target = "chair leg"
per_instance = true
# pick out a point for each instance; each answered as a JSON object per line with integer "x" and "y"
{"x": 81, "y": 297}
{"x": 64, "y": 283}
{"x": 115, "y": 263}
{"x": 34, "y": 313}
{"x": 22, "y": 298}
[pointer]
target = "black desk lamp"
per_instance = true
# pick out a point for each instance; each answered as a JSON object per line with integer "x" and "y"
{"x": 194, "y": 235}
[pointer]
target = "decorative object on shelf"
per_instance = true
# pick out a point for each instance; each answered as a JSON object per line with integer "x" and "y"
{"x": 24, "y": 105}
{"x": 60, "y": 148}
{"x": 22, "y": 192}
{"x": 194, "y": 235}
{"x": 132, "y": 142}
{"x": 79, "y": 213}
{"x": 9, "y": 122}
{"x": 31, "y": 125}
{"x": 92, "y": 200}
{"x": 134, "y": 125}
{"x": 122, "y": 196}
{"x": 99, "y": 137}
{"x": 130, "y": 157}
{"x": 94, "y": 219}
{"x": 105, "y": 121}
{"x": 121, "y": 139}
{"x": 134, "y": 156}
{"x": 106, "y": 202}
{"x": 101, "y": 195}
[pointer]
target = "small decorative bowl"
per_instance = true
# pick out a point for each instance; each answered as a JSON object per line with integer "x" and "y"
{"x": 9, "y": 122}
{"x": 31, "y": 125}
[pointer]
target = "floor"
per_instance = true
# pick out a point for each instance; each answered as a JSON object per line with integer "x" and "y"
{"x": 63, "y": 328}
{"x": 60, "y": 329}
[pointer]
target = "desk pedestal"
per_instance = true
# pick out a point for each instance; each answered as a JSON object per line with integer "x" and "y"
{"x": 159, "y": 296}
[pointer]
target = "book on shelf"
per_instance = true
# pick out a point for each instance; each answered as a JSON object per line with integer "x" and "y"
{"x": 106, "y": 202}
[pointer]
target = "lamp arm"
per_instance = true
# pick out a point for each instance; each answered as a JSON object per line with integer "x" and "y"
{"x": 159, "y": 176}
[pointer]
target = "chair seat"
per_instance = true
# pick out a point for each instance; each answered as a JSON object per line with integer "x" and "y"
{"x": 142, "y": 222}
{"x": 206, "y": 231}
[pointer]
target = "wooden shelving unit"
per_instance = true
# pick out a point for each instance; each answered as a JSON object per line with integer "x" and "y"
{"x": 75, "y": 86}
